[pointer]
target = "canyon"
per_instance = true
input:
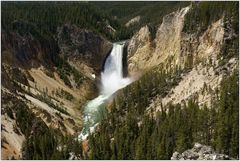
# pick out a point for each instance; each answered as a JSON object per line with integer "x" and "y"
{"x": 71, "y": 82}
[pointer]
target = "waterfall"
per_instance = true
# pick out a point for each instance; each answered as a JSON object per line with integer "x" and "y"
{"x": 111, "y": 81}
{"x": 112, "y": 77}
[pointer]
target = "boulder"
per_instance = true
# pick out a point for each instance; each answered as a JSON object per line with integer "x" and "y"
{"x": 199, "y": 152}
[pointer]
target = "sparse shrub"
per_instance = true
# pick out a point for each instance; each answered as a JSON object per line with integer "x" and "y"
{"x": 48, "y": 101}
{"x": 64, "y": 94}
{"x": 65, "y": 70}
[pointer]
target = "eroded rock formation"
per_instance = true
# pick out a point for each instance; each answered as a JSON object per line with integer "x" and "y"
{"x": 199, "y": 152}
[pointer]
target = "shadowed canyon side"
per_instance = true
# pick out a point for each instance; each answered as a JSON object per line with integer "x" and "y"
{"x": 83, "y": 48}
{"x": 112, "y": 79}
{"x": 46, "y": 80}
{"x": 120, "y": 80}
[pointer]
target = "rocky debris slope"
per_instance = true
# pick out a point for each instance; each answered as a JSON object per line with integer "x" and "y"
{"x": 57, "y": 113}
{"x": 48, "y": 98}
{"x": 200, "y": 83}
{"x": 31, "y": 74}
{"x": 12, "y": 138}
{"x": 199, "y": 152}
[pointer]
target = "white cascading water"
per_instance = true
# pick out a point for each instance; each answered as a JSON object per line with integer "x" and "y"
{"x": 111, "y": 80}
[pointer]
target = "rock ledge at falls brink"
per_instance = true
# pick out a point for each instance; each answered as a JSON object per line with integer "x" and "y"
{"x": 199, "y": 152}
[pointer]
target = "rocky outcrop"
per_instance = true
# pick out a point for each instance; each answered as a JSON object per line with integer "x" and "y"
{"x": 133, "y": 21}
{"x": 210, "y": 43}
{"x": 166, "y": 44}
{"x": 168, "y": 36}
{"x": 199, "y": 152}
{"x": 174, "y": 49}
{"x": 139, "y": 40}
{"x": 31, "y": 49}
{"x": 139, "y": 50}
{"x": 27, "y": 50}
{"x": 172, "y": 46}
{"x": 82, "y": 47}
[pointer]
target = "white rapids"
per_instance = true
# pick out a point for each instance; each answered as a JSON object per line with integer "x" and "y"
{"x": 111, "y": 80}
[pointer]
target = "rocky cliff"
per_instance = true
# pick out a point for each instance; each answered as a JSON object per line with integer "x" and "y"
{"x": 83, "y": 48}
{"x": 139, "y": 51}
{"x": 27, "y": 50}
{"x": 173, "y": 47}
{"x": 201, "y": 54}
{"x": 167, "y": 43}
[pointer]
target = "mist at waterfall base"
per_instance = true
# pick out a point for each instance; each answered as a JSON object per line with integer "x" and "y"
{"x": 111, "y": 80}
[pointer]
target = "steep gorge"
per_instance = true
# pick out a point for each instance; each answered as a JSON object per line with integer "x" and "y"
{"x": 54, "y": 86}
{"x": 178, "y": 75}
{"x": 186, "y": 90}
